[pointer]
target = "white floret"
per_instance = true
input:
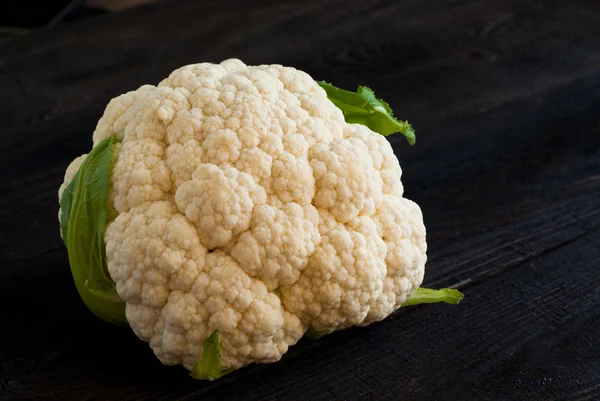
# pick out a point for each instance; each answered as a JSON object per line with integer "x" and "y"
{"x": 347, "y": 183}
{"x": 219, "y": 201}
{"x": 279, "y": 242}
{"x": 400, "y": 223}
{"x": 140, "y": 174}
{"x": 343, "y": 278}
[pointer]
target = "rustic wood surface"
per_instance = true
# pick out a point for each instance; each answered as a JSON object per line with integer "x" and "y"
{"x": 505, "y": 98}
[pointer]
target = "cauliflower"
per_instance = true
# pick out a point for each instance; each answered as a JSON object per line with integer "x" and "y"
{"x": 229, "y": 210}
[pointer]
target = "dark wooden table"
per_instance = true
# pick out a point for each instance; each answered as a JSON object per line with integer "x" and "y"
{"x": 505, "y": 98}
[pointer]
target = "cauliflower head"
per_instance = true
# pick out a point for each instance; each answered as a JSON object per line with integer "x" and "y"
{"x": 243, "y": 203}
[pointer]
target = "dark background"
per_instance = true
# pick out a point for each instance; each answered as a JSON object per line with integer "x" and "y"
{"x": 505, "y": 98}
{"x": 24, "y": 16}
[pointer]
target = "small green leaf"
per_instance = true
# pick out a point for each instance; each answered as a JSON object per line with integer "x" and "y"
{"x": 209, "y": 366}
{"x": 84, "y": 213}
{"x": 362, "y": 107}
{"x": 430, "y": 296}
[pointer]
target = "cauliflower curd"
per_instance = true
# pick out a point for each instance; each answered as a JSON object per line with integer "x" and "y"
{"x": 242, "y": 203}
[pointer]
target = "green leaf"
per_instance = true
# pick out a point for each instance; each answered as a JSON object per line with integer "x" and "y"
{"x": 430, "y": 296}
{"x": 362, "y": 107}
{"x": 209, "y": 366}
{"x": 84, "y": 213}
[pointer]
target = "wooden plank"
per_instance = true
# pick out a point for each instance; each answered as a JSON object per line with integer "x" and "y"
{"x": 504, "y": 97}
{"x": 528, "y": 334}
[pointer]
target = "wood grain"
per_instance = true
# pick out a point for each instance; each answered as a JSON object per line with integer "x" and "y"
{"x": 505, "y": 97}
